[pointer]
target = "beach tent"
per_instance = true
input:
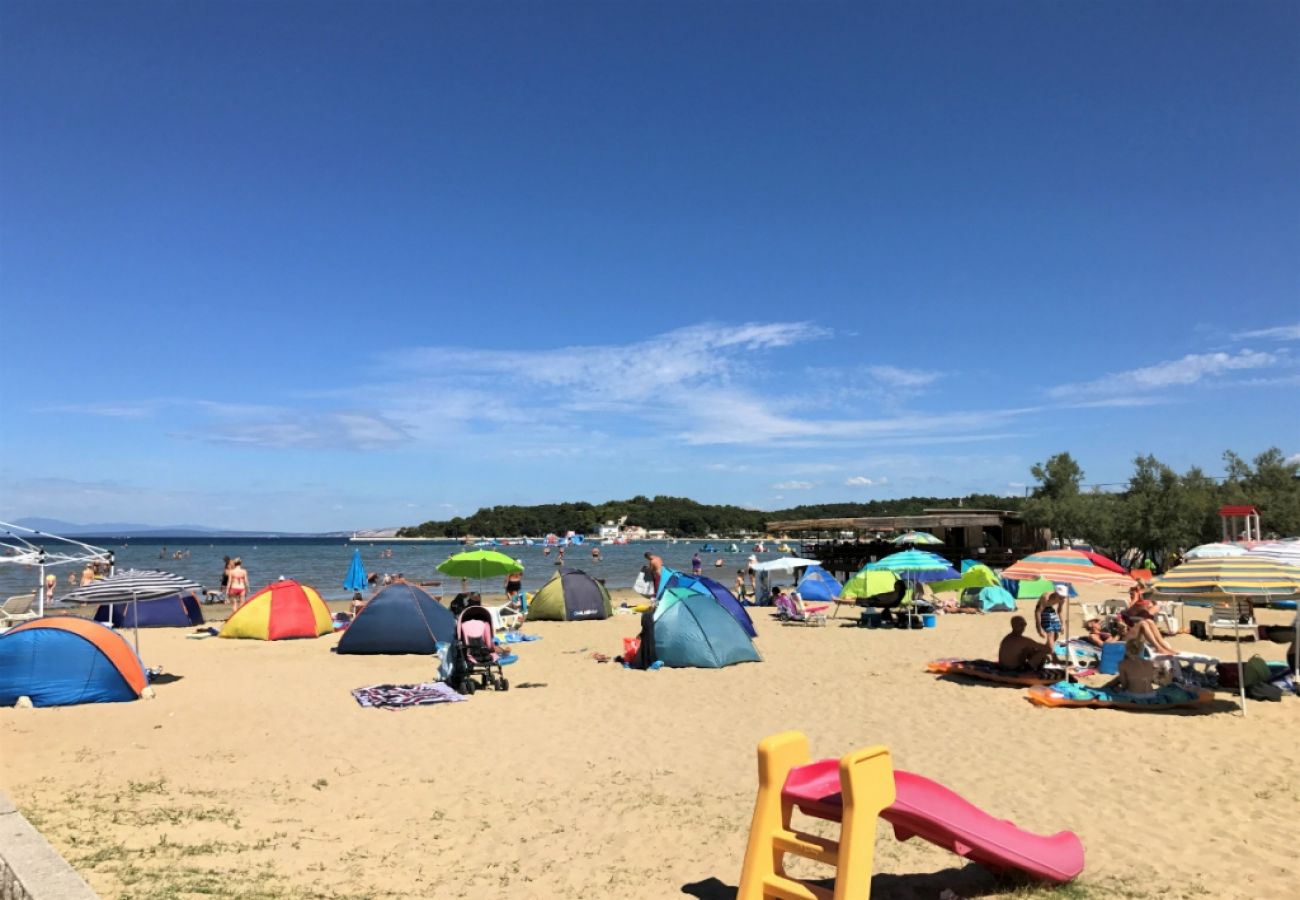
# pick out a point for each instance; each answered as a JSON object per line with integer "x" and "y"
{"x": 176, "y": 611}
{"x": 974, "y": 577}
{"x": 65, "y": 660}
{"x": 283, "y": 609}
{"x": 818, "y": 585}
{"x": 570, "y": 595}
{"x": 869, "y": 583}
{"x": 996, "y": 599}
{"x": 401, "y": 618}
{"x": 725, "y": 598}
{"x": 691, "y": 629}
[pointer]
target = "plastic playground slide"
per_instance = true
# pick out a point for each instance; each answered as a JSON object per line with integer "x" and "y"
{"x": 928, "y": 810}
{"x": 987, "y": 670}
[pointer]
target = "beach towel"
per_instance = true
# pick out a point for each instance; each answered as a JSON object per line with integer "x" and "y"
{"x": 514, "y": 637}
{"x": 988, "y": 670}
{"x": 404, "y": 696}
{"x": 1171, "y": 696}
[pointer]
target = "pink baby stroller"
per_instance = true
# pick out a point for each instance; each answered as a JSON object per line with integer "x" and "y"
{"x": 476, "y": 647}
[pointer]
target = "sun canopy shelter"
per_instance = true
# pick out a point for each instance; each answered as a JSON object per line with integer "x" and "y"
{"x": 176, "y": 611}
{"x": 692, "y": 630}
{"x": 401, "y": 618}
{"x": 725, "y": 598}
{"x": 281, "y": 610}
{"x": 21, "y": 546}
{"x": 570, "y": 595}
{"x": 869, "y": 583}
{"x": 818, "y": 585}
{"x": 66, "y": 660}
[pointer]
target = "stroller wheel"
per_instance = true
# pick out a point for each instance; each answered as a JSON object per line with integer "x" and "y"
{"x": 470, "y": 687}
{"x": 503, "y": 685}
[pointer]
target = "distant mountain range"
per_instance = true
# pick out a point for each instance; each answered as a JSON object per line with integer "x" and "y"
{"x": 137, "y": 529}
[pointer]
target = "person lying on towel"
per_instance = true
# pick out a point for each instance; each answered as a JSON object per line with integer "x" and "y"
{"x": 1018, "y": 653}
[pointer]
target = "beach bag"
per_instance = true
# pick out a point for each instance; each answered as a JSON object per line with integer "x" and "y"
{"x": 643, "y": 585}
{"x": 1257, "y": 672}
{"x": 1198, "y": 630}
{"x": 1264, "y": 691}
{"x": 630, "y": 648}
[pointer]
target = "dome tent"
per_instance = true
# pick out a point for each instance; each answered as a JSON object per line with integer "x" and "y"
{"x": 401, "y": 618}
{"x": 283, "y": 609}
{"x": 66, "y": 660}
{"x": 725, "y": 598}
{"x": 691, "y": 629}
{"x": 570, "y": 595}
{"x": 176, "y": 611}
{"x": 818, "y": 585}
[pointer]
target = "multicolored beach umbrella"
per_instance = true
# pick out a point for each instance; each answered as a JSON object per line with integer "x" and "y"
{"x": 915, "y": 565}
{"x": 1233, "y": 576}
{"x": 918, "y": 538}
{"x": 1215, "y": 551}
{"x": 1069, "y": 566}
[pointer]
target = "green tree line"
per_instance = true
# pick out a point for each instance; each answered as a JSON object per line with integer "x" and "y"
{"x": 1161, "y": 511}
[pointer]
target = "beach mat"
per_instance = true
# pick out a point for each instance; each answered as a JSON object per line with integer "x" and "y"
{"x": 987, "y": 670}
{"x": 405, "y": 696}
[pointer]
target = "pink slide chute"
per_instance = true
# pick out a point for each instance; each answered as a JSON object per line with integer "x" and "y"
{"x": 928, "y": 810}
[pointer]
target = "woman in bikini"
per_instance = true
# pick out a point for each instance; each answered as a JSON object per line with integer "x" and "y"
{"x": 236, "y": 585}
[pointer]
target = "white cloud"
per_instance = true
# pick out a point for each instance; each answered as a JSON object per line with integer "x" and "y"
{"x": 1277, "y": 333}
{"x": 861, "y": 481}
{"x": 347, "y": 430}
{"x": 893, "y": 376}
{"x": 794, "y": 486}
{"x": 1294, "y": 459}
{"x": 1179, "y": 372}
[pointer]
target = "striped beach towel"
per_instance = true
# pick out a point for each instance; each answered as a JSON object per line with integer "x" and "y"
{"x": 404, "y": 696}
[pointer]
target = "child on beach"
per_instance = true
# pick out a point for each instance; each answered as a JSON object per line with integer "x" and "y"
{"x": 1047, "y": 614}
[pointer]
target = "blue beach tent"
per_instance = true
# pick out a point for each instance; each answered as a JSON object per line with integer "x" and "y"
{"x": 67, "y": 660}
{"x": 996, "y": 599}
{"x": 818, "y": 585}
{"x": 692, "y": 629}
{"x": 401, "y": 618}
{"x": 176, "y": 611}
{"x": 725, "y": 598}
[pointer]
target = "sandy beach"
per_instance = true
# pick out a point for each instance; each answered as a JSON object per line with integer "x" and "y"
{"x": 254, "y": 773}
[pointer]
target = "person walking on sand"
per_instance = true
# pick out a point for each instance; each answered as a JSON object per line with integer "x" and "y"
{"x": 1047, "y": 614}
{"x": 237, "y": 585}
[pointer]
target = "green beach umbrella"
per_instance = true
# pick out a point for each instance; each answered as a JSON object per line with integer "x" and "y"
{"x": 869, "y": 583}
{"x": 919, "y": 538}
{"x": 479, "y": 564}
{"x": 979, "y": 576}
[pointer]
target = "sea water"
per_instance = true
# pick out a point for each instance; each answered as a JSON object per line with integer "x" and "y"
{"x": 323, "y": 562}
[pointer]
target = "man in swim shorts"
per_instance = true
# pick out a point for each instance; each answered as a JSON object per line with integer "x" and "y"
{"x": 1018, "y": 653}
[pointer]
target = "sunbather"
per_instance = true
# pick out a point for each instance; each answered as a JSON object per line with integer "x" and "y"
{"x": 1146, "y": 630}
{"x": 1136, "y": 674}
{"x": 1095, "y": 634}
{"x": 1018, "y": 653}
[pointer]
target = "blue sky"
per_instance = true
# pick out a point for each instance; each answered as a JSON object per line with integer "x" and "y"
{"x": 330, "y": 265}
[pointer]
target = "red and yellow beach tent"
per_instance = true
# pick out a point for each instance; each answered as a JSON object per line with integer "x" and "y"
{"x": 283, "y": 609}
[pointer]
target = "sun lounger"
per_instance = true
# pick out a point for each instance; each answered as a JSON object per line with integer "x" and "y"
{"x": 17, "y": 608}
{"x": 1236, "y": 616}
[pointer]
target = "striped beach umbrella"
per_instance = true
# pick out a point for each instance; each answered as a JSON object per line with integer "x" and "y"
{"x": 1215, "y": 551}
{"x": 917, "y": 538}
{"x": 1230, "y": 577}
{"x": 129, "y": 585}
{"x": 1069, "y": 566}
{"x": 915, "y": 565}
{"x": 1251, "y": 575}
{"x": 1282, "y": 551}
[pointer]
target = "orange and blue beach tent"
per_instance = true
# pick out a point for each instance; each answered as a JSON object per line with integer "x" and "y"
{"x": 283, "y": 609}
{"x": 66, "y": 660}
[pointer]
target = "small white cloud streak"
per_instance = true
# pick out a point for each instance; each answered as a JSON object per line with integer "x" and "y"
{"x": 794, "y": 486}
{"x": 861, "y": 481}
{"x": 1277, "y": 333}
{"x": 893, "y": 376}
{"x": 1179, "y": 372}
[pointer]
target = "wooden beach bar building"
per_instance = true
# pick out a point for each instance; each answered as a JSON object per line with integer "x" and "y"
{"x": 996, "y": 537}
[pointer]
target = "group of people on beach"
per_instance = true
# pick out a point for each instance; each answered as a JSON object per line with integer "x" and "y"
{"x": 1136, "y": 626}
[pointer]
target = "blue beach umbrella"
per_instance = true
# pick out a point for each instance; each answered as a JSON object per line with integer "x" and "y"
{"x": 915, "y": 565}
{"x": 356, "y": 577}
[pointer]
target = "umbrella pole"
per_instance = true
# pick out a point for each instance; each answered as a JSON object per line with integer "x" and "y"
{"x": 135, "y": 615}
{"x": 1241, "y": 671}
{"x": 40, "y": 592}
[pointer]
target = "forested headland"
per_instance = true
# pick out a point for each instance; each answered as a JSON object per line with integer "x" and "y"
{"x": 1158, "y": 510}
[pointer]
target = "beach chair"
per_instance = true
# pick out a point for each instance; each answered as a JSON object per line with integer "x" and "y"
{"x": 788, "y": 611}
{"x": 1236, "y": 616}
{"x": 17, "y": 608}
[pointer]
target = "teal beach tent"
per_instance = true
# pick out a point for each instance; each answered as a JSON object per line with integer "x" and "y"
{"x": 691, "y": 630}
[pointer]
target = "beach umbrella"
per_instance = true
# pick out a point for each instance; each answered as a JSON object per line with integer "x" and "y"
{"x": 915, "y": 565}
{"x": 479, "y": 564}
{"x": 1069, "y": 566}
{"x": 919, "y": 538}
{"x": 1104, "y": 561}
{"x": 867, "y": 583}
{"x": 1250, "y": 576}
{"x": 1215, "y": 551}
{"x": 355, "y": 580}
{"x": 132, "y": 586}
{"x": 1282, "y": 551}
